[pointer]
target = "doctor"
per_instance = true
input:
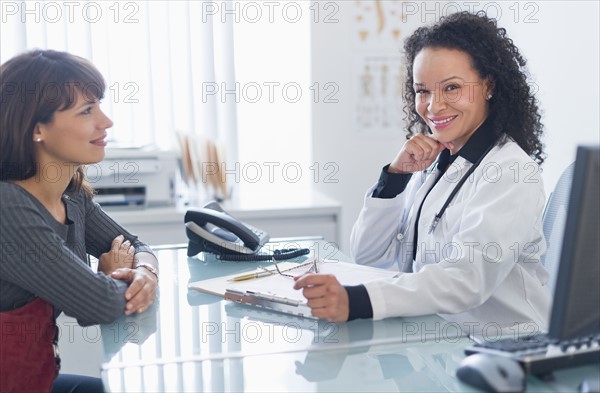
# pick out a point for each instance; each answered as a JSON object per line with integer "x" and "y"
{"x": 458, "y": 210}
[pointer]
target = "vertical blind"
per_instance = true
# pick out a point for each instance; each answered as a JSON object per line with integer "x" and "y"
{"x": 156, "y": 57}
{"x": 208, "y": 69}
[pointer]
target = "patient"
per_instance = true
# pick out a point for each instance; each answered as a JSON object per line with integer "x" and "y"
{"x": 51, "y": 126}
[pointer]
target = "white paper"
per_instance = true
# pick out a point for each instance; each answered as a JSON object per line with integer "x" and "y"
{"x": 283, "y": 286}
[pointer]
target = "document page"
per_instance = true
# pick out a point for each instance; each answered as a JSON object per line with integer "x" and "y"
{"x": 282, "y": 286}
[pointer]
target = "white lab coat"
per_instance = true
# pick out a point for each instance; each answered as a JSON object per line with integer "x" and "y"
{"x": 481, "y": 267}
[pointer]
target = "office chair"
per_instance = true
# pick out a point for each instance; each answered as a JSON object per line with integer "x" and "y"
{"x": 554, "y": 219}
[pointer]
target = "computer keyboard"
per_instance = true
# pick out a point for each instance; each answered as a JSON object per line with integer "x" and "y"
{"x": 540, "y": 354}
{"x": 521, "y": 344}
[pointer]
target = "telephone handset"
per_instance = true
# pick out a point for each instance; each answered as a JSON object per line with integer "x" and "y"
{"x": 213, "y": 230}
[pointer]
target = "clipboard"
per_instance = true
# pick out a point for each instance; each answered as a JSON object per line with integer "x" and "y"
{"x": 275, "y": 303}
{"x": 276, "y": 292}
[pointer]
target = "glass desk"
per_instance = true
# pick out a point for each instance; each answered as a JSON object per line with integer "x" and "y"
{"x": 426, "y": 367}
{"x": 190, "y": 341}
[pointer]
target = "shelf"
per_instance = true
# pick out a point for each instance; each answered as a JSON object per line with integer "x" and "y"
{"x": 313, "y": 214}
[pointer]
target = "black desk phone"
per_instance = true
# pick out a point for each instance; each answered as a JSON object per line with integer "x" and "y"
{"x": 213, "y": 230}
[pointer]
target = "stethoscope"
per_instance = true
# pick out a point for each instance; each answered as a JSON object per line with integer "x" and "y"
{"x": 438, "y": 216}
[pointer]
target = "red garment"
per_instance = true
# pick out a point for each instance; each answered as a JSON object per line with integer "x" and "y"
{"x": 28, "y": 359}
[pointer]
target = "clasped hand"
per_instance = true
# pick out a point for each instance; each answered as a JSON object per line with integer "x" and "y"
{"x": 118, "y": 262}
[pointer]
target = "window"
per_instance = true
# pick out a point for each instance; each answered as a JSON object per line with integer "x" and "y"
{"x": 234, "y": 71}
{"x": 272, "y": 58}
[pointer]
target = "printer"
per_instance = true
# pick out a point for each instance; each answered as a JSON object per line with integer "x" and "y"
{"x": 140, "y": 177}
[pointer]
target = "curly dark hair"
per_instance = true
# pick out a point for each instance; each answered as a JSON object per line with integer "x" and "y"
{"x": 513, "y": 109}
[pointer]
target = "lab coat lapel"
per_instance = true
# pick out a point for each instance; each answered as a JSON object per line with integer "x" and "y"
{"x": 428, "y": 182}
{"x": 433, "y": 204}
{"x": 450, "y": 179}
{"x": 431, "y": 175}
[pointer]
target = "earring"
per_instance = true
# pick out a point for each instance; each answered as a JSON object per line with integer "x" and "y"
{"x": 38, "y": 140}
{"x": 489, "y": 96}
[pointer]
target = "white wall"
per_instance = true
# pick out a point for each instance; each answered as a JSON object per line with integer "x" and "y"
{"x": 561, "y": 46}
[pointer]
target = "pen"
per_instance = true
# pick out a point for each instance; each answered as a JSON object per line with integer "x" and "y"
{"x": 250, "y": 276}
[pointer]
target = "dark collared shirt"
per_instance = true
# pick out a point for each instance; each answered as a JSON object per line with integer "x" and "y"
{"x": 392, "y": 184}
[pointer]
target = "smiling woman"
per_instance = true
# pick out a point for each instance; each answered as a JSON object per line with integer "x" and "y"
{"x": 45, "y": 89}
{"x": 75, "y": 136}
{"x": 448, "y": 211}
{"x": 453, "y": 107}
{"x": 51, "y": 126}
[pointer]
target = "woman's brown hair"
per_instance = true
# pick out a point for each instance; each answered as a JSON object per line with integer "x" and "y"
{"x": 33, "y": 86}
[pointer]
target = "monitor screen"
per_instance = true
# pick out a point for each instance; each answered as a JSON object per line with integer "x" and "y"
{"x": 576, "y": 307}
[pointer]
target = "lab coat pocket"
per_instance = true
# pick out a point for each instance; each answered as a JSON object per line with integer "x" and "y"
{"x": 452, "y": 219}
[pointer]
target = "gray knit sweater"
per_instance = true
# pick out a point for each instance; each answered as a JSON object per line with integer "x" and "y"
{"x": 42, "y": 257}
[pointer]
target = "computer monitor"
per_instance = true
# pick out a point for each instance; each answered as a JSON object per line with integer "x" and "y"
{"x": 576, "y": 306}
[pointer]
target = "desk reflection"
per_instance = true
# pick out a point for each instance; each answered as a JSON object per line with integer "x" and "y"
{"x": 396, "y": 367}
{"x": 426, "y": 366}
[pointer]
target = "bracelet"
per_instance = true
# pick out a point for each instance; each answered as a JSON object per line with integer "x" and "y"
{"x": 150, "y": 268}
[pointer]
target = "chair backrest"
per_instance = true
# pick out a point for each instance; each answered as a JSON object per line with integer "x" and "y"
{"x": 554, "y": 219}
